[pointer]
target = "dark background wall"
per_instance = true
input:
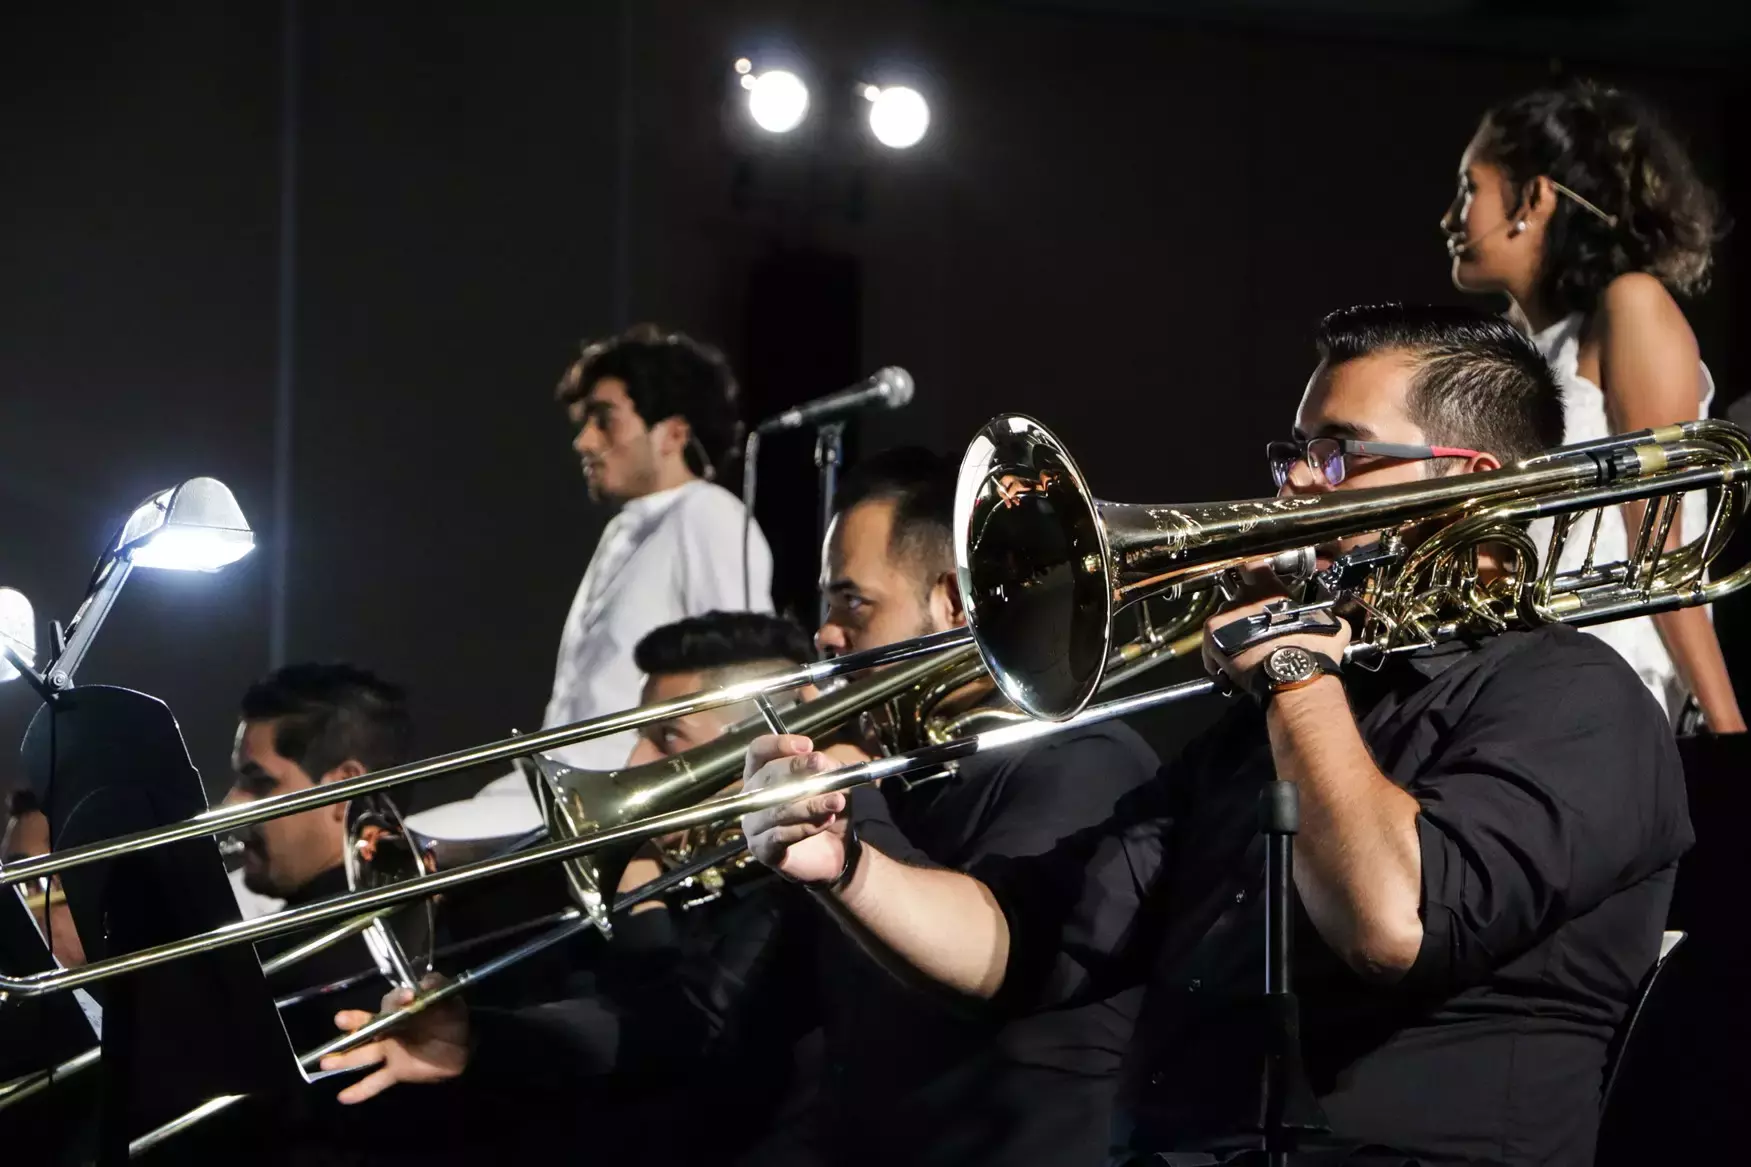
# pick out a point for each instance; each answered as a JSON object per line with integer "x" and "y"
{"x": 1126, "y": 221}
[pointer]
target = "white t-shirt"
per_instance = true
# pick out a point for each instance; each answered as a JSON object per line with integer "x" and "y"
{"x": 664, "y": 557}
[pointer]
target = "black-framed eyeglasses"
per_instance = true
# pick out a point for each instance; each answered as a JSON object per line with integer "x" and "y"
{"x": 1327, "y": 458}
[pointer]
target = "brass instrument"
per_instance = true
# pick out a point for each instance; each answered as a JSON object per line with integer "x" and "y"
{"x": 1043, "y": 567}
{"x": 223, "y": 820}
{"x": 949, "y": 699}
{"x": 576, "y": 802}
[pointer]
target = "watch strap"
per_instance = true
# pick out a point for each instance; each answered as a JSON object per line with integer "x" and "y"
{"x": 1263, "y": 688}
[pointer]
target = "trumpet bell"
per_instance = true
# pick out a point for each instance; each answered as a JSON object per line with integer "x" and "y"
{"x": 1034, "y": 567}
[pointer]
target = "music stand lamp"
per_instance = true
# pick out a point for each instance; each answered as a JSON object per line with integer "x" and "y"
{"x": 196, "y": 526}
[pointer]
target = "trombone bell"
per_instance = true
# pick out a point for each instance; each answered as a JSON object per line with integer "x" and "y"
{"x": 1034, "y": 567}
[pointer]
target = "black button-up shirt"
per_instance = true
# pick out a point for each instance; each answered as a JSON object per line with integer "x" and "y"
{"x": 1553, "y": 816}
{"x": 912, "y": 1077}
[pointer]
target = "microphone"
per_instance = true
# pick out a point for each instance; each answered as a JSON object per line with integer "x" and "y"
{"x": 888, "y": 388}
{"x": 1459, "y": 245}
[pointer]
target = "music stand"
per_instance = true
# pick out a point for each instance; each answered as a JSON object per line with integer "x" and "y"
{"x": 35, "y": 1032}
{"x": 175, "y": 1036}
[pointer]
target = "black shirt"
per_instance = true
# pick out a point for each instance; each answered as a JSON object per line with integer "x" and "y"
{"x": 914, "y": 1077}
{"x": 1553, "y": 816}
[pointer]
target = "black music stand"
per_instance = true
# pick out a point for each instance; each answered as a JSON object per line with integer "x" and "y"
{"x": 112, "y": 762}
{"x": 35, "y": 1032}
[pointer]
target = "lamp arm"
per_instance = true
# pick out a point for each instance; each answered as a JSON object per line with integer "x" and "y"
{"x": 87, "y": 621}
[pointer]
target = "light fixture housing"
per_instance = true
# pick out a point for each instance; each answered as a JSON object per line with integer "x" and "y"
{"x": 17, "y": 633}
{"x": 197, "y": 526}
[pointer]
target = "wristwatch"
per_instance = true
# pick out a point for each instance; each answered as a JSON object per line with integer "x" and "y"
{"x": 1290, "y": 666}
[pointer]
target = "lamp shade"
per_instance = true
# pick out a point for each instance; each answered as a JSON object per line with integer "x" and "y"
{"x": 197, "y": 526}
{"x": 17, "y": 631}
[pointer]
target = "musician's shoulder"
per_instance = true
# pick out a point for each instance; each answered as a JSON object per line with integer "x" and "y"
{"x": 707, "y": 502}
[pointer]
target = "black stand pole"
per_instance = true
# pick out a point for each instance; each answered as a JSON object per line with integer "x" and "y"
{"x": 1279, "y": 821}
{"x": 829, "y": 453}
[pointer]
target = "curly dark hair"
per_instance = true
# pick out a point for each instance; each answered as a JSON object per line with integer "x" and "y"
{"x": 667, "y": 374}
{"x": 1612, "y": 150}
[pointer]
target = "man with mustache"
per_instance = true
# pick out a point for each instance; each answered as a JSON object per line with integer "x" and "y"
{"x": 301, "y": 726}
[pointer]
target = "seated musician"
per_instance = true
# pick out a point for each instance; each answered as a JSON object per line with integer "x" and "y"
{"x": 301, "y": 726}
{"x": 1488, "y": 837}
{"x": 651, "y": 1011}
{"x": 918, "y": 1081}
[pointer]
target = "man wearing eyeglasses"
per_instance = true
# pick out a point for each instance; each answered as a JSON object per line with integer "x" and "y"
{"x": 1488, "y": 837}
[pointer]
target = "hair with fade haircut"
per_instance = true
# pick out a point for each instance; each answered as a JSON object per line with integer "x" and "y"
{"x": 721, "y": 643}
{"x": 667, "y": 374}
{"x": 1480, "y": 383}
{"x": 921, "y": 486}
{"x": 327, "y": 714}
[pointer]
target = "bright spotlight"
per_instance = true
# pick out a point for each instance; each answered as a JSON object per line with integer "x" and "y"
{"x": 744, "y": 66}
{"x": 898, "y": 116}
{"x": 777, "y": 101}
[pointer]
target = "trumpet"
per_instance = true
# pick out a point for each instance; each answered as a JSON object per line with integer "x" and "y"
{"x": 1043, "y": 567}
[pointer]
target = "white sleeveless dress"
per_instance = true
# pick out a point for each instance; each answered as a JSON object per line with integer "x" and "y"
{"x": 1584, "y": 418}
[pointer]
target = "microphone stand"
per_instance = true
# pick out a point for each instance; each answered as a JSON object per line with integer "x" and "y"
{"x": 829, "y": 454}
{"x": 1279, "y": 822}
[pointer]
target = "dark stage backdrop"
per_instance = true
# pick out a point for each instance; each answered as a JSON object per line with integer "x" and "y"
{"x": 1126, "y": 226}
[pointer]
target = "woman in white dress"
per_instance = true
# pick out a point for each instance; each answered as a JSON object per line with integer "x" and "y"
{"x": 1585, "y": 211}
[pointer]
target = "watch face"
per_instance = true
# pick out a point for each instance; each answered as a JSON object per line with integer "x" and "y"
{"x": 1290, "y": 664}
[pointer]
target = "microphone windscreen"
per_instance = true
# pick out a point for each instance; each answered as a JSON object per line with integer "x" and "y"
{"x": 899, "y": 383}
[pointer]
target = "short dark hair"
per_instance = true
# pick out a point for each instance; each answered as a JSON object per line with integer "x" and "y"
{"x": 1480, "y": 382}
{"x": 1613, "y": 150}
{"x": 667, "y": 374}
{"x": 328, "y": 714}
{"x": 721, "y": 640}
{"x": 921, "y": 485}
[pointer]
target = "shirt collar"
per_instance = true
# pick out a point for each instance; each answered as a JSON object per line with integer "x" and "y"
{"x": 656, "y": 502}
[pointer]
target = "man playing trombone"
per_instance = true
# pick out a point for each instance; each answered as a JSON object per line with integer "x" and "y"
{"x": 1488, "y": 835}
{"x": 922, "y": 1081}
{"x": 643, "y": 1023}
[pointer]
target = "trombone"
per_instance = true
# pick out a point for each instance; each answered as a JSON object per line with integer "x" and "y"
{"x": 1044, "y": 566}
{"x": 909, "y": 703}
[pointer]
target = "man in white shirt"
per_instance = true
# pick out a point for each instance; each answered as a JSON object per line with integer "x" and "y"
{"x": 656, "y": 415}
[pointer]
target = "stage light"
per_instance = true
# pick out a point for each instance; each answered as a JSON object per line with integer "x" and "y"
{"x": 898, "y": 116}
{"x": 17, "y": 633}
{"x": 777, "y": 100}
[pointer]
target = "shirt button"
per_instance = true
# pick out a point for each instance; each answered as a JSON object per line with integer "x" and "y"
{"x": 1194, "y": 985}
{"x": 1158, "y": 1079}
{"x": 1240, "y": 897}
